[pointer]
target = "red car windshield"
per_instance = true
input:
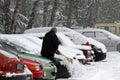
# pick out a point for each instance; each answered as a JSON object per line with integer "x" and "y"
{"x": 7, "y": 54}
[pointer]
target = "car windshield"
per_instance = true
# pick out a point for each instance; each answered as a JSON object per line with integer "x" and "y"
{"x": 7, "y": 54}
{"x": 16, "y": 47}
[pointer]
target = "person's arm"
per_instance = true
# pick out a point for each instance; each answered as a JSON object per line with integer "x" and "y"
{"x": 58, "y": 52}
{"x": 55, "y": 42}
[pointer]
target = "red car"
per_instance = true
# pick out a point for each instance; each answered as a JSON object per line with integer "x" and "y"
{"x": 35, "y": 67}
{"x": 12, "y": 68}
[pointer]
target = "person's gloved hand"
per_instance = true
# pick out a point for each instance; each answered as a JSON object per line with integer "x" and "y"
{"x": 58, "y": 52}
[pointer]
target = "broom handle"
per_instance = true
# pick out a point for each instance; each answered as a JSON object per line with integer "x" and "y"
{"x": 62, "y": 54}
{"x": 69, "y": 59}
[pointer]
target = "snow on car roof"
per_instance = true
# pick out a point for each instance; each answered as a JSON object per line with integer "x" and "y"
{"x": 46, "y": 29}
{"x": 102, "y": 30}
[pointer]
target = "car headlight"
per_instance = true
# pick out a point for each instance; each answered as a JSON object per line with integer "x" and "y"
{"x": 36, "y": 68}
{"x": 46, "y": 64}
{"x": 20, "y": 67}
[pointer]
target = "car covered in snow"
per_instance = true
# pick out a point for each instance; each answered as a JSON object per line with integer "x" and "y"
{"x": 12, "y": 68}
{"x": 110, "y": 40}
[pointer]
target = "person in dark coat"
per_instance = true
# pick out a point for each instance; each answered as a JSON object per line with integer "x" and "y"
{"x": 49, "y": 48}
{"x": 50, "y": 44}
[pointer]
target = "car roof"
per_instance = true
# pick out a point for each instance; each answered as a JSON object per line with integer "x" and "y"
{"x": 90, "y": 29}
{"x": 46, "y": 29}
{"x": 101, "y": 30}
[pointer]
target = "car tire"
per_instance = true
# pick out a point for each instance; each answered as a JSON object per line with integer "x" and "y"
{"x": 118, "y": 47}
{"x": 100, "y": 56}
{"x": 38, "y": 79}
{"x": 62, "y": 70}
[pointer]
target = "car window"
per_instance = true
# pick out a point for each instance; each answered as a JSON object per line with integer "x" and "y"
{"x": 7, "y": 54}
{"x": 119, "y": 31}
{"x": 89, "y": 34}
{"x": 101, "y": 35}
{"x": 111, "y": 29}
{"x": 18, "y": 48}
{"x": 10, "y": 45}
{"x": 76, "y": 38}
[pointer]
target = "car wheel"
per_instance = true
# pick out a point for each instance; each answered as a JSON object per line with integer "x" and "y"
{"x": 38, "y": 79}
{"x": 98, "y": 54}
{"x": 62, "y": 70}
{"x": 118, "y": 47}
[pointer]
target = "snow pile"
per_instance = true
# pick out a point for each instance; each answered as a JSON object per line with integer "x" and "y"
{"x": 77, "y": 68}
{"x": 108, "y": 69}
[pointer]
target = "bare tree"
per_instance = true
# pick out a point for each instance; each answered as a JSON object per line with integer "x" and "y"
{"x": 1, "y": 13}
{"x": 32, "y": 15}
{"x": 45, "y": 9}
{"x": 52, "y": 16}
{"x": 26, "y": 7}
{"x": 6, "y": 16}
{"x": 69, "y": 13}
{"x": 14, "y": 19}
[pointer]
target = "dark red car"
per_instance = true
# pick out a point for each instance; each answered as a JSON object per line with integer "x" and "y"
{"x": 12, "y": 68}
{"x": 35, "y": 67}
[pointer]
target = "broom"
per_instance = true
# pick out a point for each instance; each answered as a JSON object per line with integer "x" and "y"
{"x": 69, "y": 59}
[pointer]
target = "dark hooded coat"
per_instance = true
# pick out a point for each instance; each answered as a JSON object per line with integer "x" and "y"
{"x": 50, "y": 45}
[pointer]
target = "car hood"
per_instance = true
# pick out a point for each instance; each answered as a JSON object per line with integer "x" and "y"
{"x": 71, "y": 52}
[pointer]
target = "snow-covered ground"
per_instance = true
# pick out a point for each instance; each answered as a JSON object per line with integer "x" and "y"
{"x": 108, "y": 69}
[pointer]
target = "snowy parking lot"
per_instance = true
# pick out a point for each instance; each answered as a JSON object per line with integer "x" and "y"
{"x": 108, "y": 69}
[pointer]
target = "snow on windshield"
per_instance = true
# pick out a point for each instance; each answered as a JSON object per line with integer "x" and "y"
{"x": 66, "y": 40}
{"x": 21, "y": 41}
{"x": 7, "y": 54}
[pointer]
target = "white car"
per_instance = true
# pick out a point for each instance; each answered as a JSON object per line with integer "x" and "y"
{"x": 98, "y": 53}
{"x": 110, "y": 40}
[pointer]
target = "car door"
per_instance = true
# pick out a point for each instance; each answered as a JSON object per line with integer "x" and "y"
{"x": 105, "y": 39}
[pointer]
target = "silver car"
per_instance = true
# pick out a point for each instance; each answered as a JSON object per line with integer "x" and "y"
{"x": 110, "y": 40}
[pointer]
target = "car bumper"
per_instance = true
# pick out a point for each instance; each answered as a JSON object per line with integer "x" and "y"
{"x": 38, "y": 74}
{"x": 17, "y": 77}
{"x": 50, "y": 73}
